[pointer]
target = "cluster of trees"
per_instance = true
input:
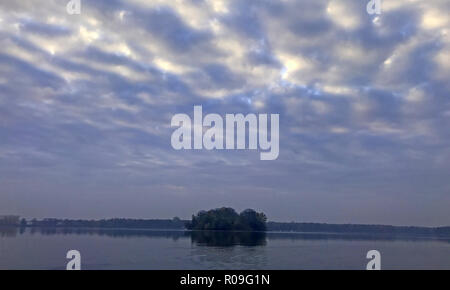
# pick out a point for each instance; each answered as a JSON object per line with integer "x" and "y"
{"x": 227, "y": 219}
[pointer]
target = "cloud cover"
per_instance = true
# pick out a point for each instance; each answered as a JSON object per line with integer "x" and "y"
{"x": 86, "y": 102}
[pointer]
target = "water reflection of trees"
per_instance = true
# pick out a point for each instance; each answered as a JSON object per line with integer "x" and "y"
{"x": 8, "y": 232}
{"x": 200, "y": 238}
{"x": 210, "y": 238}
{"x": 351, "y": 237}
{"x": 228, "y": 239}
{"x": 113, "y": 233}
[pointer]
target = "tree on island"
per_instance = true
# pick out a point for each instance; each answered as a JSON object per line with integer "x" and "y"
{"x": 227, "y": 219}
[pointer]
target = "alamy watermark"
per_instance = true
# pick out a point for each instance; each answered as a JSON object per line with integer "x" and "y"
{"x": 375, "y": 260}
{"x": 75, "y": 260}
{"x": 214, "y": 138}
{"x": 374, "y": 7}
{"x": 73, "y": 7}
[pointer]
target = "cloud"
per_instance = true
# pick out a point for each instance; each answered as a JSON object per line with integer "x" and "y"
{"x": 86, "y": 102}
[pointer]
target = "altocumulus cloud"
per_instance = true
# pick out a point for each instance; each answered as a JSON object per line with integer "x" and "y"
{"x": 86, "y": 102}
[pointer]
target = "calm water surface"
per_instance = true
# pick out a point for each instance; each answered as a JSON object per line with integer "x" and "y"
{"x": 145, "y": 249}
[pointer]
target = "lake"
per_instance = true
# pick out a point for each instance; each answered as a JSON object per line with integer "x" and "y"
{"x": 34, "y": 248}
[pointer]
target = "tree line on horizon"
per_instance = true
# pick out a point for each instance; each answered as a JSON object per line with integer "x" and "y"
{"x": 224, "y": 219}
{"x": 117, "y": 223}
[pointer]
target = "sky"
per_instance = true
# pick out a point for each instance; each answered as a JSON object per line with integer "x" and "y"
{"x": 86, "y": 103}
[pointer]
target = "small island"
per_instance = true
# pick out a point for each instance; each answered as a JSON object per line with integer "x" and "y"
{"x": 227, "y": 219}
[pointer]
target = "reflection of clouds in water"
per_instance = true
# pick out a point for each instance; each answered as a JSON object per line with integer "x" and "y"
{"x": 138, "y": 249}
{"x": 8, "y": 232}
{"x": 226, "y": 258}
{"x": 228, "y": 239}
